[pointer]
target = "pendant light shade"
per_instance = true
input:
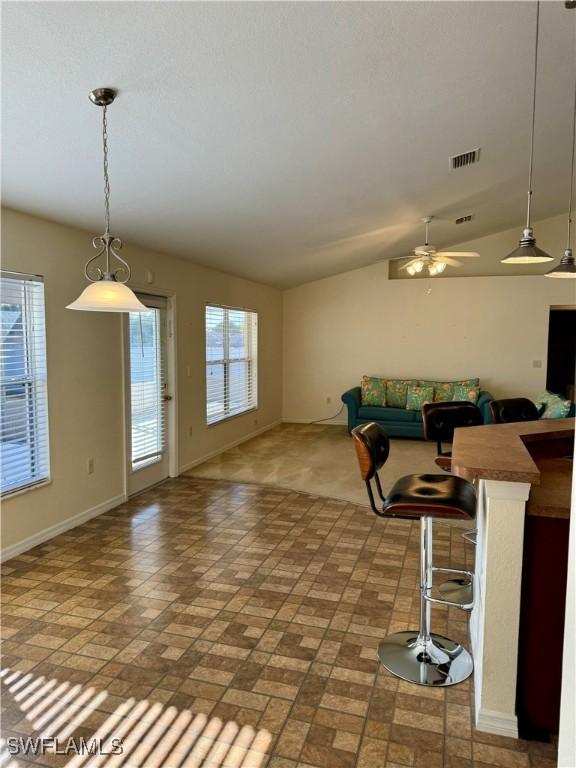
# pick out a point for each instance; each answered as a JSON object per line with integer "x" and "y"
{"x": 107, "y": 291}
{"x": 108, "y": 296}
{"x": 567, "y": 267}
{"x": 527, "y": 251}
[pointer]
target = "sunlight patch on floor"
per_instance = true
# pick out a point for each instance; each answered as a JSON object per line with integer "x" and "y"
{"x": 152, "y": 735}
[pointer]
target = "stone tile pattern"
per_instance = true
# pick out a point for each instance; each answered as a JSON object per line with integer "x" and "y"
{"x": 253, "y": 607}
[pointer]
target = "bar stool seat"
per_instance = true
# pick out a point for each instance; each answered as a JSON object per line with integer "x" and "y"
{"x": 442, "y": 496}
{"x": 419, "y": 655}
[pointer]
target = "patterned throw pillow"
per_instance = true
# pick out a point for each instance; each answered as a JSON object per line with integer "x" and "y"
{"x": 373, "y": 391}
{"x": 464, "y": 392}
{"x": 443, "y": 391}
{"x": 417, "y": 396}
{"x": 554, "y": 406}
{"x": 396, "y": 392}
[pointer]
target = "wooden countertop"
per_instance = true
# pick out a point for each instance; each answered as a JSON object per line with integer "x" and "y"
{"x": 552, "y": 497}
{"x": 509, "y": 452}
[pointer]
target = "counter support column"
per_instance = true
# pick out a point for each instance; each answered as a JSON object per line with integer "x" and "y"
{"x": 495, "y": 618}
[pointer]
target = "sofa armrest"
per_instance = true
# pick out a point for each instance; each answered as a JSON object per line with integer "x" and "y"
{"x": 353, "y": 400}
{"x": 484, "y": 400}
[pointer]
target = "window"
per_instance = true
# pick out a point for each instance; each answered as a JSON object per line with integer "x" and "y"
{"x": 24, "y": 422}
{"x": 231, "y": 362}
{"x": 147, "y": 349}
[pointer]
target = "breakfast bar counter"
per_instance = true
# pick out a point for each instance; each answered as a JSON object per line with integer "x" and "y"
{"x": 508, "y": 452}
{"x": 522, "y": 471}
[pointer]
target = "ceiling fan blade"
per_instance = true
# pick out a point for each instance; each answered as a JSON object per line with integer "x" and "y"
{"x": 460, "y": 254}
{"x": 444, "y": 259}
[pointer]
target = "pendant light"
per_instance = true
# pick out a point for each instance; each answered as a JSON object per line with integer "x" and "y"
{"x": 527, "y": 251}
{"x": 567, "y": 266}
{"x": 107, "y": 291}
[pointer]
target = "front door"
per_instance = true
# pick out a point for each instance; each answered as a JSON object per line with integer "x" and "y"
{"x": 147, "y": 394}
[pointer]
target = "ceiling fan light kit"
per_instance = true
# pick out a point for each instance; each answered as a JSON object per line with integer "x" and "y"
{"x": 107, "y": 291}
{"x": 527, "y": 251}
{"x": 427, "y": 256}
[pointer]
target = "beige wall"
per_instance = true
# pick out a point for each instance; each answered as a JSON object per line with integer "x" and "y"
{"x": 85, "y": 369}
{"x": 360, "y": 322}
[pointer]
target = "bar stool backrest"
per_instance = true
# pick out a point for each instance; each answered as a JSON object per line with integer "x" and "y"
{"x": 372, "y": 448}
{"x": 513, "y": 409}
{"x": 441, "y": 419}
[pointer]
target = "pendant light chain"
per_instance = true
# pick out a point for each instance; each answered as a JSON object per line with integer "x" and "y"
{"x": 569, "y": 241}
{"x": 533, "y": 115}
{"x": 106, "y": 290}
{"x": 106, "y": 178}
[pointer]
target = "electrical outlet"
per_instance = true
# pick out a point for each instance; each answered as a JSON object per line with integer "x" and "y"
{"x": 90, "y": 466}
{"x": 536, "y": 363}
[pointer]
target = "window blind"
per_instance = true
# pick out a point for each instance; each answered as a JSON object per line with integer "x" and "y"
{"x": 231, "y": 362}
{"x": 23, "y": 387}
{"x": 147, "y": 383}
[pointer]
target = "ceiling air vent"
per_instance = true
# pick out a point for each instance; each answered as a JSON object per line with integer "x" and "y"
{"x": 466, "y": 158}
{"x": 464, "y": 219}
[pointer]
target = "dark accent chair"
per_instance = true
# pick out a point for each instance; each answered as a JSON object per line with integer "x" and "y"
{"x": 418, "y": 655}
{"x": 514, "y": 409}
{"x": 440, "y": 421}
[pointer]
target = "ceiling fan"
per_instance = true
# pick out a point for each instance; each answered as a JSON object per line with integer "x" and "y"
{"x": 434, "y": 260}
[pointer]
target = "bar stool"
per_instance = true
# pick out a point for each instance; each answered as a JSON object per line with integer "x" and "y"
{"x": 419, "y": 656}
{"x": 513, "y": 409}
{"x": 441, "y": 419}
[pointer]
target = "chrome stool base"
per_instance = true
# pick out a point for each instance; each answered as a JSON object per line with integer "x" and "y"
{"x": 457, "y": 591}
{"x": 436, "y": 662}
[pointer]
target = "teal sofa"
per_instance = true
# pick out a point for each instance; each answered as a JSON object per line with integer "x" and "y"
{"x": 397, "y": 422}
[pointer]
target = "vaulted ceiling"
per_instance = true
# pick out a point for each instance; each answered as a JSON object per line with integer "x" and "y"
{"x": 286, "y": 141}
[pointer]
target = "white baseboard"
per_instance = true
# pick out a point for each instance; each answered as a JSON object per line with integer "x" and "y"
{"x": 54, "y": 530}
{"x": 233, "y": 444}
{"x": 499, "y": 723}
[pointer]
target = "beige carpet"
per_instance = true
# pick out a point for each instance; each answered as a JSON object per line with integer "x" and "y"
{"x": 314, "y": 458}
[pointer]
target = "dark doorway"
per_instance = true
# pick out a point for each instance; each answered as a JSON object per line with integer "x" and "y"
{"x": 561, "y": 367}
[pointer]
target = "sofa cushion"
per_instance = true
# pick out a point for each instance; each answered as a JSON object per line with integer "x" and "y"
{"x": 386, "y": 414}
{"x": 373, "y": 391}
{"x": 464, "y": 392}
{"x": 396, "y": 392}
{"x": 444, "y": 390}
{"x": 417, "y": 396}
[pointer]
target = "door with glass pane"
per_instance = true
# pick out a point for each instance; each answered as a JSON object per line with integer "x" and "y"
{"x": 148, "y": 394}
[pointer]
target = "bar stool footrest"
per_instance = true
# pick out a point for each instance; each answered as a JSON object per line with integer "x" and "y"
{"x": 456, "y": 592}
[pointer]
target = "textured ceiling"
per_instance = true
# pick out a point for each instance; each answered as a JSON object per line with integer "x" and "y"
{"x": 263, "y": 138}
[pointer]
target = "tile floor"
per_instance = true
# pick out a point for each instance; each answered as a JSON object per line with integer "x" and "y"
{"x": 208, "y": 623}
